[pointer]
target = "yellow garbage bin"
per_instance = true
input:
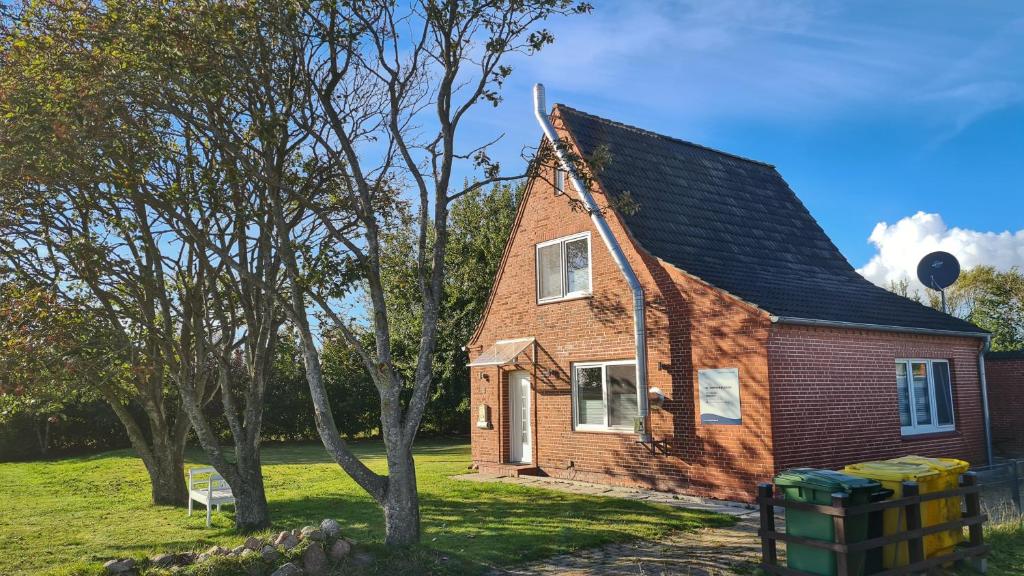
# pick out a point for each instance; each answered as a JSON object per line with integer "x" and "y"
{"x": 892, "y": 475}
{"x": 949, "y": 470}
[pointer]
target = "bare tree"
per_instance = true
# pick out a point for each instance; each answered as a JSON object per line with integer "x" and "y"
{"x": 389, "y": 85}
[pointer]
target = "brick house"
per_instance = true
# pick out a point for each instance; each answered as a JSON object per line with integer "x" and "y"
{"x": 764, "y": 348}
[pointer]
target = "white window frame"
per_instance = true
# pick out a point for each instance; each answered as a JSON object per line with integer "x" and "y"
{"x": 563, "y": 279}
{"x": 915, "y": 429}
{"x": 604, "y": 397}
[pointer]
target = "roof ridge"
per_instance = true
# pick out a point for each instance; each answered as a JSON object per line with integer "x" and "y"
{"x": 625, "y": 126}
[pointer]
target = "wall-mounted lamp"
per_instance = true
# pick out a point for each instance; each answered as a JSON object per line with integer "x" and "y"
{"x": 655, "y": 397}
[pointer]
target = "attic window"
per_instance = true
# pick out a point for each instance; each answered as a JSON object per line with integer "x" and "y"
{"x": 563, "y": 268}
{"x": 559, "y": 181}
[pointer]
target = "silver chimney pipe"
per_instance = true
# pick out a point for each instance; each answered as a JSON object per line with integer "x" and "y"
{"x": 639, "y": 332}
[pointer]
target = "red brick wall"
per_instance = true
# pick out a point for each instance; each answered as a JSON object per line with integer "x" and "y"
{"x": 834, "y": 396}
{"x": 1005, "y": 379}
{"x": 708, "y": 329}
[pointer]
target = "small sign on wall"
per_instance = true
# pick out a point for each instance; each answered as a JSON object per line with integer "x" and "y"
{"x": 719, "y": 395}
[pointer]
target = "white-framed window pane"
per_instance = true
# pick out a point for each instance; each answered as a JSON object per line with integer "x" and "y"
{"x": 903, "y": 393}
{"x": 589, "y": 396}
{"x": 922, "y": 400}
{"x": 577, "y": 266}
{"x": 943, "y": 394}
{"x": 549, "y": 268}
{"x": 559, "y": 181}
{"x": 622, "y": 405}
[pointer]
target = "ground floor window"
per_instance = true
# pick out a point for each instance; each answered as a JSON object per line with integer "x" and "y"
{"x": 604, "y": 395}
{"x": 925, "y": 396}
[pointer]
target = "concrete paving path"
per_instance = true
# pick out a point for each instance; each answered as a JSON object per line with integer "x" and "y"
{"x": 705, "y": 552}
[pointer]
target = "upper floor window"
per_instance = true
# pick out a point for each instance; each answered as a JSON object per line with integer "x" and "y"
{"x": 559, "y": 181}
{"x": 925, "y": 394}
{"x": 563, "y": 268}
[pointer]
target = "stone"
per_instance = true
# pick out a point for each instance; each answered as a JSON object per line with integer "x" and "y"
{"x": 216, "y": 551}
{"x": 238, "y": 550}
{"x": 290, "y": 541}
{"x": 253, "y": 543}
{"x": 164, "y": 560}
{"x": 339, "y": 550}
{"x": 288, "y": 569}
{"x": 314, "y": 561}
{"x": 331, "y": 528}
{"x": 202, "y": 558}
{"x": 313, "y": 533}
{"x": 247, "y": 552}
{"x": 270, "y": 554}
{"x": 280, "y": 537}
{"x": 122, "y": 566}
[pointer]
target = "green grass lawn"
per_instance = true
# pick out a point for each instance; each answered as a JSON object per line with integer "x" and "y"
{"x": 1007, "y": 556}
{"x": 86, "y": 510}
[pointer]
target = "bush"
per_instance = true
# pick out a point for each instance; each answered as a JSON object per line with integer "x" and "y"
{"x": 80, "y": 427}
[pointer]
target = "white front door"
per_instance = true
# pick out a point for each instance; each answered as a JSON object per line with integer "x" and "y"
{"x": 519, "y": 416}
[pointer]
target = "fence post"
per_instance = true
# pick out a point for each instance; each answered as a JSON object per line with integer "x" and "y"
{"x": 769, "y": 552}
{"x": 915, "y": 546}
{"x": 972, "y": 503}
{"x": 841, "y": 500}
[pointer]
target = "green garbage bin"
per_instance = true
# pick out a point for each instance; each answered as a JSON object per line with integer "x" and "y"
{"x": 815, "y": 486}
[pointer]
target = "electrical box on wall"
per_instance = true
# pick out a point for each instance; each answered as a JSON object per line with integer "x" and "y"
{"x": 483, "y": 419}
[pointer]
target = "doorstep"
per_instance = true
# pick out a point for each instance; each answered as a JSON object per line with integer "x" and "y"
{"x": 507, "y": 470}
{"x": 491, "y": 473}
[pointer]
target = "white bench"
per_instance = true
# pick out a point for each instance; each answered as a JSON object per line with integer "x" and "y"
{"x": 208, "y": 487}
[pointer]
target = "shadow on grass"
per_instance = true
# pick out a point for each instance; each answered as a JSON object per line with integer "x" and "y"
{"x": 500, "y": 525}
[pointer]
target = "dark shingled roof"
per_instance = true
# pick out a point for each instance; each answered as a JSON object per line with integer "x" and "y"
{"x": 737, "y": 225}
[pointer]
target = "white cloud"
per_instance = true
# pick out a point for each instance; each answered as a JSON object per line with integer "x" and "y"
{"x": 900, "y": 246}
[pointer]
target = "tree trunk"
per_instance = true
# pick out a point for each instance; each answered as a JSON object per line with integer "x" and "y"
{"x": 251, "y": 510}
{"x": 41, "y": 440}
{"x": 167, "y": 475}
{"x": 401, "y": 501}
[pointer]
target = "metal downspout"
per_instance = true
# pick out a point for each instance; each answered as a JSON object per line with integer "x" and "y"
{"x": 984, "y": 399}
{"x": 639, "y": 331}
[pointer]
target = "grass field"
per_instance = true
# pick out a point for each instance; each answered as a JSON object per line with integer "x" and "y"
{"x": 1007, "y": 556}
{"x": 76, "y": 512}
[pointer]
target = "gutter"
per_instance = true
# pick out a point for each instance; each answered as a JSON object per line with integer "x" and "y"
{"x": 984, "y": 399}
{"x": 878, "y": 327}
{"x": 610, "y": 242}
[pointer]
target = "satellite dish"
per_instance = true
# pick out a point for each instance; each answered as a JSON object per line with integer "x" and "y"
{"x": 938, "y": 270}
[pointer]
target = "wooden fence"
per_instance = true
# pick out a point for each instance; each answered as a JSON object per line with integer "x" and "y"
{"x": 840, "y": 511}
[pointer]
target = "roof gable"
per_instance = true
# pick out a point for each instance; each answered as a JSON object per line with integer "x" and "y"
{"x": 736, "y": 224}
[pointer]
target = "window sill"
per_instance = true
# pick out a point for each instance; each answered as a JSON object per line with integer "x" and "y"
{"x": 930, "y": 435}
{"x": 564, "y": 299}
{"x": 604, "y": 430}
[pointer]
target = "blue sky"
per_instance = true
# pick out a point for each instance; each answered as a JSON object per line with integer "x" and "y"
{"x": 873, "y": 111}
